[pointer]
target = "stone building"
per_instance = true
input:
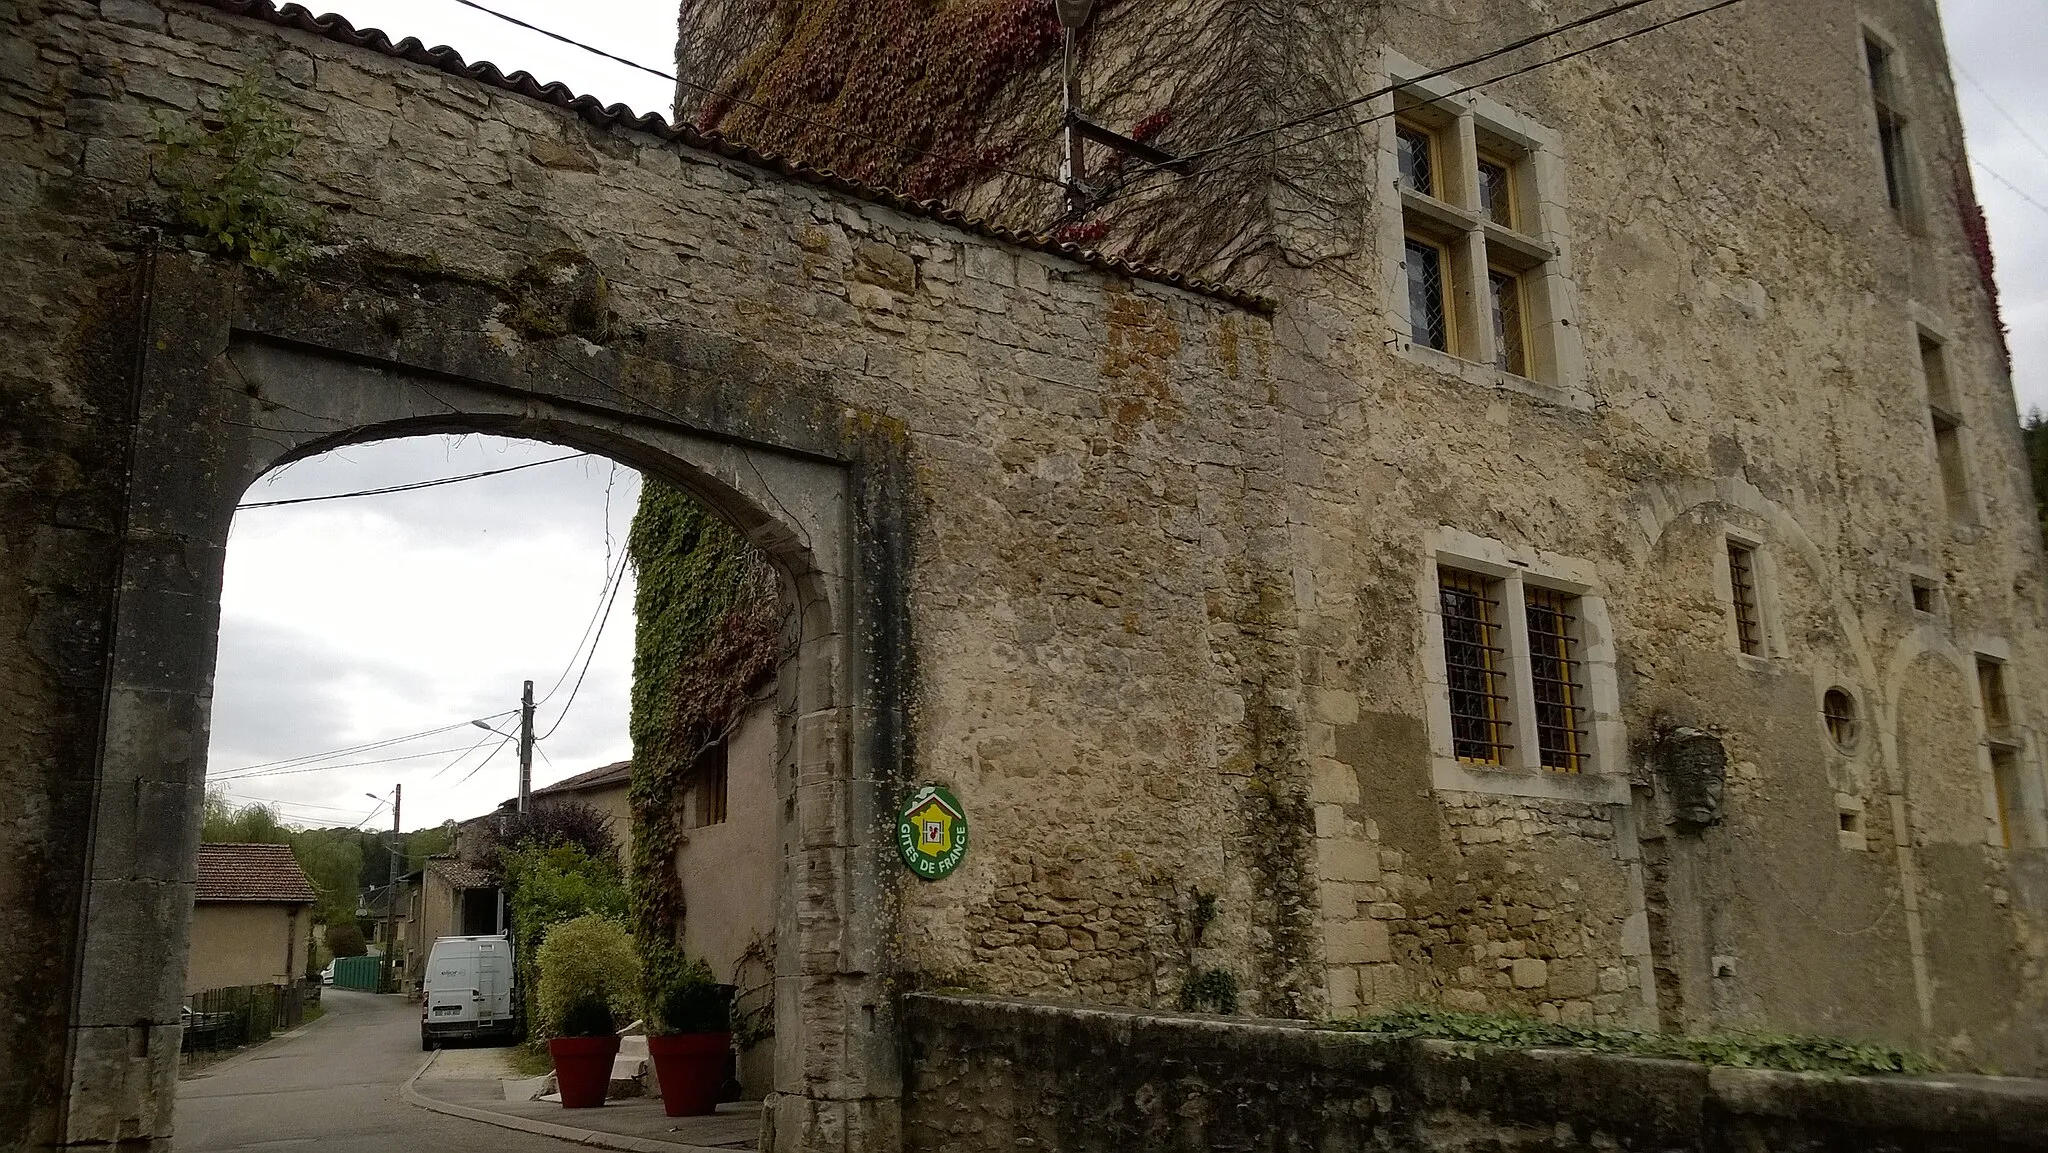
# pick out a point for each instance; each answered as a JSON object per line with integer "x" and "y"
{"x": 1666, "y": 650}
{"x": 1661, "y": 591}
{"x": 252, "y": 920}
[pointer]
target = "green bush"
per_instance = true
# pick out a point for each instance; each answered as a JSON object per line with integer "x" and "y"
{"x": 588, "y": 957}
{"x": 692, "y": 1002}
{"x": 587, "y": 1016}
{"x": 346, "y": 940}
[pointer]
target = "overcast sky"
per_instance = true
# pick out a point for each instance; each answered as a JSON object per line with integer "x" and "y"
{"x": 348, "y": 622}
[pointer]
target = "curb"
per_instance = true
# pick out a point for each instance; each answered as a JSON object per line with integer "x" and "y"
{"x": 590, "y": 1138}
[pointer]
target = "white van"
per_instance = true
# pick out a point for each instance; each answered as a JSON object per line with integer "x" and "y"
{"x": 468, "y": 991}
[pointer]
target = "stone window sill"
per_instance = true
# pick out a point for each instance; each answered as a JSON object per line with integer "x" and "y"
{"x": 1586, "y": 788}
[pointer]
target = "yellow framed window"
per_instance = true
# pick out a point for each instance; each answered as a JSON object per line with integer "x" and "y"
{"x": 1510, "y": 324}
{"x": 1430, "y": 315}
{"x": 1418, "y": 153}
{"x": 1474, "y": 663}
{"x": 1497, "y": 190}
{"x": 1561, "y": 737}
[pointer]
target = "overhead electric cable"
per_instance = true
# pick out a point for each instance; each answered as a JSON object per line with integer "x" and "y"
{"x": 571, "y": 702}
{"x": 465, "y": 754}
{"x": 835, "y": 129}
{"x": 1387, "y": 89}
{"x": 2000, "y": 109}
{"x": 331, "y": 768}
{"x": 487, "y": 760}
{"x": 612, "y": 577}
{"x": 2010, "y": 186}
{"x": 363, "y": 748}
{"x": 413, "y": 487}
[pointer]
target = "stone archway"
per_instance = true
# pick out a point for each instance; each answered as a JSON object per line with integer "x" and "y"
{"x": 230, "y": 383}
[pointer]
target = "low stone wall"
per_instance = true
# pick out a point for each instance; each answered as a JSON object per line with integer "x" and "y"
{"x": 990, "y": 1074}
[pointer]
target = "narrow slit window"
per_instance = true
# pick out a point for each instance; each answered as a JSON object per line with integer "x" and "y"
{"x": 1418, "y": 157}
{"x": 711, "y": 787}
{"x": 2005, "y": 782}
{"x": 1991, "y": 690}
{"x": 1475, "y": 664}
{"x": 1554, "y": 675}
{"x": 1510, "y": 342}
{"x": 1891, "y": 122}
{"x": 1749, "y": 631}
{"x": 1429, "y": 311}
{"x": 1948, "y": 458}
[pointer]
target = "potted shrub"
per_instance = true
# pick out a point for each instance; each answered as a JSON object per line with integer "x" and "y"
{"x": 689, "y": 1038}
{"x": 583, "y": 1052}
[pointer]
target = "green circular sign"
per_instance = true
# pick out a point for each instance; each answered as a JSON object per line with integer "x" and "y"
{"x": 931, "y": 832}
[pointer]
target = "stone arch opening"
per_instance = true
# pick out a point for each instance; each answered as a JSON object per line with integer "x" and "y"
{"x": 208, "y": 426}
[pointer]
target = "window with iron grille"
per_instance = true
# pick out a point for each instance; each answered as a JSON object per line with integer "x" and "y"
{"x": 711, "y": 787}
{"x": 1891, "y": 122}
{"x": 1749, "y": 631}
{"x": 1417, "y": 146}
{"x": 1475, "y": 663}
{"x": 1554, "y": 679}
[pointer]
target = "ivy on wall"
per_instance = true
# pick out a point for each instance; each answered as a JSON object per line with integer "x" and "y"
{"x": 890, "y": 92}
{"x": 709, "y": 632}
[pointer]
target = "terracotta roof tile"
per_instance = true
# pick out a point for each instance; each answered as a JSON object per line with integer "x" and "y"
{"x": 619, "y": 116}
{"x": 236, "y": 872}
{"x": 617, "y": 773}
{"x": 461, "y": 874}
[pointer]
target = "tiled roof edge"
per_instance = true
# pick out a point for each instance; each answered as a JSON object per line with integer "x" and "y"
{"x": 337, "y": 28}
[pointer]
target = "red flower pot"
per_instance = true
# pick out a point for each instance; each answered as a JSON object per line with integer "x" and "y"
{"x": 583, "y": 1068}
{"x": 691, "y": 1069}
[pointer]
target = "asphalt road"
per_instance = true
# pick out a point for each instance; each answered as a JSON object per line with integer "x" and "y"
{"x": 335, "y": 1087}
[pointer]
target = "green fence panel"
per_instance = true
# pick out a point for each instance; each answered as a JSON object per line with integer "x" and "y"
{"x": 357, "y": 973}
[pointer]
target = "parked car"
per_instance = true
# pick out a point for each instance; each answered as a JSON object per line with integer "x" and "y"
{"x": 467, "y": 992}
{"x": 327, "y": 974}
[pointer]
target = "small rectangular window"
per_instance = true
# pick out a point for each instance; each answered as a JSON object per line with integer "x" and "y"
{"x": 1891, "y": 122}
{"x": 711, "y": 787}
{"x": 1418, "y": 157}
{"x": 1749, "y": 631}
{"x": 1497, "y": 191}
{"x": 1475, "y": 663}
{"x": 1429, "y": 306}
{"x": 1925, "y": 596}
{"x": 1510, "y": 343}
{"x": 1991, "y": 691}
{"x": 1553, "y": 674}
{"x": 2005, "y": 781}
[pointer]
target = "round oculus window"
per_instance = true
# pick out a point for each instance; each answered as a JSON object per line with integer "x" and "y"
{"x": 1838, "y": 713}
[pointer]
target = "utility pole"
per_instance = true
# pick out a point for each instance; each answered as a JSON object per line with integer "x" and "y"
{"x": 391, "y": 891}
{"x": 525, "y": 744}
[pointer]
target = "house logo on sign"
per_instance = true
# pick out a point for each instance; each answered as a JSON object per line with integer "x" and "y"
{"x": 931, "y": 832}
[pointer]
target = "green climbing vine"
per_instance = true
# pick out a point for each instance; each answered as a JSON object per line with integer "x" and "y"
{"x": 224, "y": 172}
{"x": 709, "y": 632}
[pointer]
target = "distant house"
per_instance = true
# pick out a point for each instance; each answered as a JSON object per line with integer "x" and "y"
{"x": 603, "y": 789}
{"x": 447, "y": 897}
{"x": 252, "y": 918}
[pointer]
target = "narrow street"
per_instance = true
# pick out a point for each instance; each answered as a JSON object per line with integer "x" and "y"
{"x": 334, "y": 1086}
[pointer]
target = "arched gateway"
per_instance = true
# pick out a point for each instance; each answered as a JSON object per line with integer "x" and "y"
{"x": 238, "y": 375}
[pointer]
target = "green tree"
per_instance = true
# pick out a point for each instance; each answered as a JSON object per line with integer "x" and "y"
{"x": 225, "y": 822}
{"x": 2034, "y": 435}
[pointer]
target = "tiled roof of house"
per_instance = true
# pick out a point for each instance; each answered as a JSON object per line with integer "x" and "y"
{"x": 461, "y": 874}
{"x": 618, "y": 116}
{"x": 235, "y": 872}
{"x": 617, "y": 773}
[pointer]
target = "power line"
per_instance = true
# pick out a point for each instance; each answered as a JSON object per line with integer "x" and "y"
{"x": 343, "y": 765}
{"x": 413, "y": 487}
{"x": 570, "y": 703}
{"x": 835, "y": 129}
{"x": 2010, "y": 186}
{"x": 1390, "y": 88}
{"x": 465, "y": 755}
{"x": 487, "y": 760}
{"x": 351, "y": 750}
{"x": 611, "y": 579}
{"x": 2000, "y": 109}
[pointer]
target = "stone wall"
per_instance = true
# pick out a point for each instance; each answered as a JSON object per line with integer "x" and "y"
{"x": 993, "y": 1074}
